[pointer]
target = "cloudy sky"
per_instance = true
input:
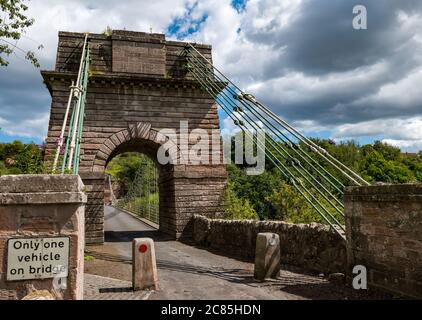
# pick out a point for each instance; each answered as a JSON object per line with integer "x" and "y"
{"x": 302, "y": 58}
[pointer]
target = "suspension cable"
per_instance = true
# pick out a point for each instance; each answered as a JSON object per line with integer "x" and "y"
{"x": 77, "y": 97}
{"x": 316, "y": 149}
{"x": 290, "y": 177}
{"x": 278, "y": 146}
{"x": 244, "y": 108}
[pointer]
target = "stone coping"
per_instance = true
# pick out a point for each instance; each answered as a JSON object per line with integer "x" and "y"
{"x": 90, "y": 175}
{"x": 42, "y": 198}
{"x": 41, "y": 189}
{"x": 34, "y": 183}
{"x": 385, "y": 193}
{"x": 385, "y": 189}
{"x": 130, "y": 35}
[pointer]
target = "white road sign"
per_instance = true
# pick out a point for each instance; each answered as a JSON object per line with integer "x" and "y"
{"x": 37, "y": 258}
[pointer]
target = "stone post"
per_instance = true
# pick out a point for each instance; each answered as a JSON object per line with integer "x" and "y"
{"x": 144, "y": 266}
{"x": 41, "y": 236}
{"x": 267, "y": 256}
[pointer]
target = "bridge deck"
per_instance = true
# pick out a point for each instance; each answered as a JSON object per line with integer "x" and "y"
{"x": 188, "y": 272}
{"x": 117, "y": 220}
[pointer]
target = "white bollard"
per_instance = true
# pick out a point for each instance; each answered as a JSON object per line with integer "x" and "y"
{"x": 144, "y": 266}
{"x": 267, "y": 256}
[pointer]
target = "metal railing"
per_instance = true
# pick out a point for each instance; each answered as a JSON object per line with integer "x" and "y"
{"x": 142, "y": 197}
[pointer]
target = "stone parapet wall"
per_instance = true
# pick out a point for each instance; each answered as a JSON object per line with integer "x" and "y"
{"x": 384, "y": 233}
{"x": 313, "y": 247}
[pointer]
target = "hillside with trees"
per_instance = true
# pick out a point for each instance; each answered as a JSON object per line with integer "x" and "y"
{"x": 265, "y": 196}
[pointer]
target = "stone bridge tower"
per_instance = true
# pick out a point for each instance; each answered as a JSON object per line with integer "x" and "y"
{"x": 138, "y": 85}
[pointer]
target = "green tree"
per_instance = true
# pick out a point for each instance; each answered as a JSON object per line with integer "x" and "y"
{"x": 375, "y": 168}
{"x": 291, "y": 207}
{"x": 414, "y": 163}
{"x": 256, "y": 189}
{"x": 237, "y": 208}
{"x": 387, "y": 151}
{"x": 272, "y": 198}
{"x": 13, "y": 24}
{"x": 30, "y": 160}
{"x": 19, "y": 158}
{"x": 123, "y": 168}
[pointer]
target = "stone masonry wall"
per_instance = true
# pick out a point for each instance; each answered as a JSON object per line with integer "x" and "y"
{"x": 137, "y": 80}
{"x": 310, "y": 246}
{"x": 384, "y": 233}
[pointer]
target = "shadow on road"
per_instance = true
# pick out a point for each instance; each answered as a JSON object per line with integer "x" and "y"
{"x": 114, "y": 290}
{"x": 308, "y": 287}
{"x": 128, "y": 236}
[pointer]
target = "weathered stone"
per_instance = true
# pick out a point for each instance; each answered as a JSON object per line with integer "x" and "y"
{"x": 383, "y": 224}
{"x": 313, "y": 247}
{"x": 337, "y": 278}
{"x": 44, "y": 212}
{"x": 267, "y": 256}
{"x": 138, "y": 86}
{"x": 144, "y": 265}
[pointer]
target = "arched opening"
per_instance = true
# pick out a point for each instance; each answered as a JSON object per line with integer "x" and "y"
{"x": 184, "y": 189}
{"x": 132, "y": 186}
{"x": 141, "y": 139}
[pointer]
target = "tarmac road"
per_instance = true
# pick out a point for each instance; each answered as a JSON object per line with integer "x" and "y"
{"x": 188, "y": 272}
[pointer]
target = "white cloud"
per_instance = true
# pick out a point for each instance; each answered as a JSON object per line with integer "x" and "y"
{"x": 405, "y": 145}
{"x": 400, "y": 95}
{"x": 30, "y": 128}
{"x": 353, "y": 102}
{"x": 24, "y": 100}
{"x": 403, "y": 133}
{"x": 277, "y": 49}
{"x": 52, "y": 16}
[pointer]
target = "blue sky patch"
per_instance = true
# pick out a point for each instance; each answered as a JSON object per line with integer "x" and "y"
{"x": 181, "y": 27}
{"x": 239, "y": 5}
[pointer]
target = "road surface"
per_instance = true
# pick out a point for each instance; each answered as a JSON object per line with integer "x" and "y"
{"x": 188, "y": 272}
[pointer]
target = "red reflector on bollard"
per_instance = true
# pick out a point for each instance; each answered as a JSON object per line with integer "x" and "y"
{"x": 143, "y": 248}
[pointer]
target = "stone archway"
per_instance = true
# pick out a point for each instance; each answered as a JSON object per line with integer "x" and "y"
{"x": 137, "y": 86}
{"x": 136, "y": 136}
{"x": 184, "y": 189}
{"x": 142, "y": 138}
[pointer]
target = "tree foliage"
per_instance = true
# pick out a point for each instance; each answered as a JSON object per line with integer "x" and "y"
{"x": 20, "y": 158}
{"x": 268, "y": 196}
{"x": 123, "y": 168}
{"x": 273, "y": 198}
{"x": 237, "y": 208}
{"x": 13, "y": 24}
